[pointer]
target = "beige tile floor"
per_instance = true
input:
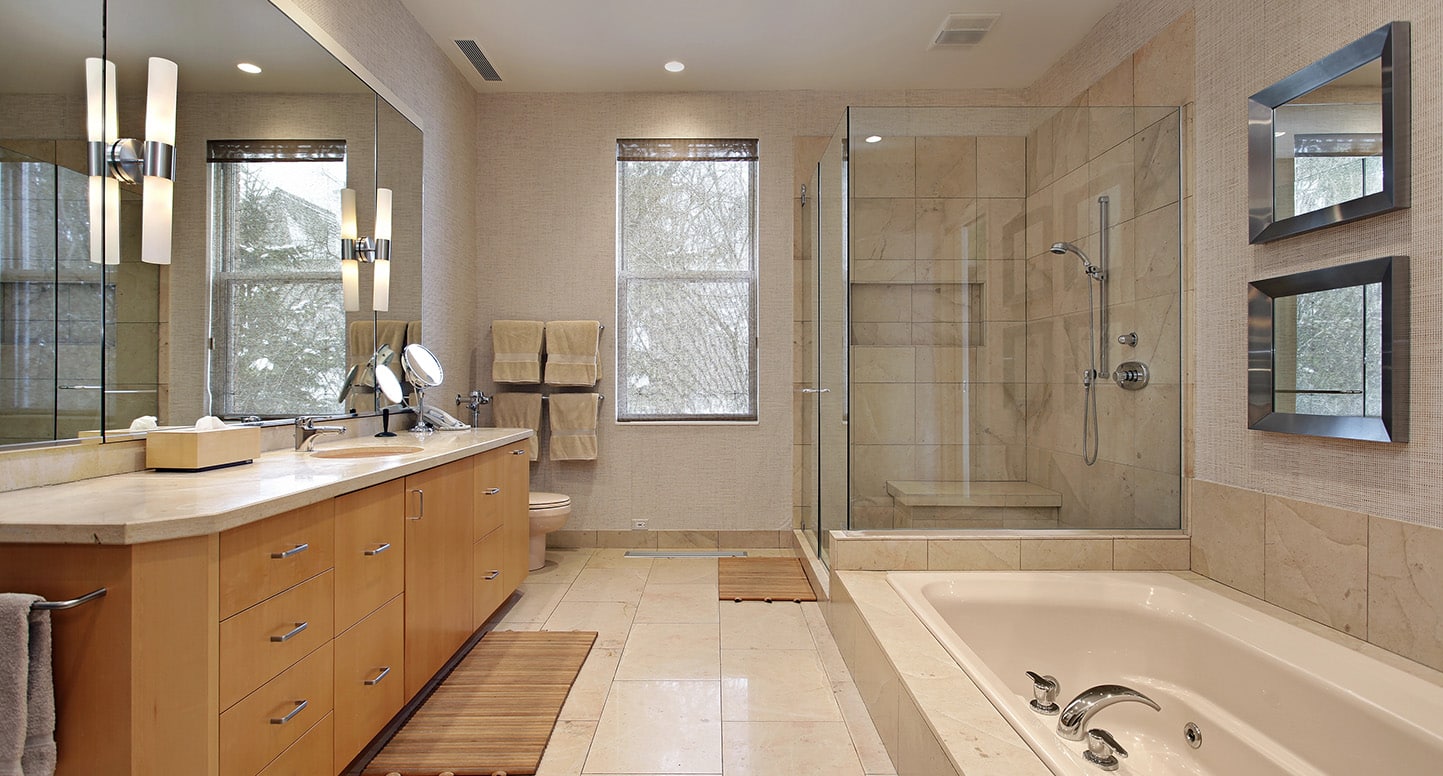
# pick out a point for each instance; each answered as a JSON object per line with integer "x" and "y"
{"x": 679, "y": 682}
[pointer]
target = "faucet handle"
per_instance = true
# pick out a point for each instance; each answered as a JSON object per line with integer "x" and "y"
{"x": 1102, "y": 749}
{"x": 1044, "y": 693}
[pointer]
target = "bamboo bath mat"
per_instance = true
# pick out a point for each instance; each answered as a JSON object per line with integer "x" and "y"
{"x": 762, "y": 579}
{"x": 495, "y": 712}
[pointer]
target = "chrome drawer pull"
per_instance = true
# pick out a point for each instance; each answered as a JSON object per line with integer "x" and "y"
{"x": 420, "y": 504}
{"x": 382, "y": 548}
{"x": 300, "y": 626}
{"x": 492, "y": 491}
{"x": 378, "y": 677}
{"x": 300, "y": 707}
{"x": 296, "y": 550}
{"x": 493, "y": 575}
{"x": 518, "y": 452}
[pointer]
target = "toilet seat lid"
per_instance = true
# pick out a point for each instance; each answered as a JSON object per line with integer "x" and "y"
{"x": 542, "y": 500}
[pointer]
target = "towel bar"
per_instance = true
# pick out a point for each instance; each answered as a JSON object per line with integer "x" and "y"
{"x": 600, "y": 397}
{"x": 53, "y": 606}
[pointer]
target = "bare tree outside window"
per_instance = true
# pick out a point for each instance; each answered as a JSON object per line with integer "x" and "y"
{"x": 686, "y": 279}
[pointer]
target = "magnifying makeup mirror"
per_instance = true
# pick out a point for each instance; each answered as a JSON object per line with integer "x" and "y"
{"x": 388, "y": 384}
{"x": 422, "y": 371}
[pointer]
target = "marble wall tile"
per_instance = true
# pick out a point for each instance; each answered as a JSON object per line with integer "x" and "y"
{"x": 986, "y": 413}
{"x": 1041, "y": 156}
{"x": 889, "y": 335}
{"x": 1111, "y": 174}
{"x": 1004, "y": 292}
{"x": 881, "y": 303}
{"x": 751, "y": 540}
{"x": 1157, "y": 439}
{"x": 876, "y": 681}
{"x": 626, "y": 540}
{"x": 684, "y": 539}
{"x": 1073, "y": 208}
{"x": 947, "y": 167}
{"x": 890, "y": 271}
{"x": 883, "y": 414}
{"x": 999, "y": 359}
{"x": 1163, "y": 69}
{"x": 1156, "y": 251}
{"x": 1227, "y": 535}
{"x": 947, "y": 333}
{"x": 1150, "y": 554}
{"x": 1107, "y": 127}
{"x": 883, "y": 229}
{"x": 979, "y": 555}
{"x": 1159, "y": 338}
{"x": 1001, "y": 167}
{"x": 1113, "y": 89}
{"x": 1315, "y": 562}
{"x": 880, "y": 555}
{"x": 948, "y": 229}
{"x": 1066, "y": 554}
{"x": 919, "y": 751}
{"x": 883, "y": 365}
{"x": 566, "y": 538}
{"x": 873, "y": 465}
{"x": 886, "y": 168}
{"x": 1405, "y": 589}
{"x": 1005, "y": 222}
{"x": 1042, "y": 269}
{"x": 945, "y": 302}
{"x": 1158, "y": 177}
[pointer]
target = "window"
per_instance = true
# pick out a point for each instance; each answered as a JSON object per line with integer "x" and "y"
{"x": 278, "y": 344}
{"x": 686, "y": 280}
{"x": 1332, "y": 168}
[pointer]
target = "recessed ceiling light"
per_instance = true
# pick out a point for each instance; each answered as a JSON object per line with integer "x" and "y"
{"x": 674, "y": 66}
{"x": 246, "y": 67}
{"x": 874, "y": 139}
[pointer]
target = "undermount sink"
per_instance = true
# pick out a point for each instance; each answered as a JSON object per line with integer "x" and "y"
{"x": 366, "y": 451}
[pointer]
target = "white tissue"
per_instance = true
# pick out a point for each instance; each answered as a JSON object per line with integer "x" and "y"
{"x": 209, "y": 423}
{"x": 143, "y": 423}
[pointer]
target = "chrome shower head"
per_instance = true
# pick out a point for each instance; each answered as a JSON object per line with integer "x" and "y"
{"x": 1060, "y": 248}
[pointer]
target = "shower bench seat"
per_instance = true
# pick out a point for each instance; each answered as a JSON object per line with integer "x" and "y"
{"x": 1012, "y": 504}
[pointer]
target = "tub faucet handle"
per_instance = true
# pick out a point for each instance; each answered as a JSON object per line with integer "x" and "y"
{"x": 1044, "y": 693}
{"x": 1103, "y": 750}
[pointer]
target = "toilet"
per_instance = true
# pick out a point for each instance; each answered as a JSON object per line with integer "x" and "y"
{"x": 548, "y": 513}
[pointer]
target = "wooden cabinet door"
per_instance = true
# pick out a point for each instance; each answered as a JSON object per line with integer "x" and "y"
{"x": 439, "y": 569}
{"x": 515, "y": 498}
{"x": 370, "y": 679}
{"x": 490, "y": 580}
{"x": 370, "y": 550}
{"x": 491, "y": 492}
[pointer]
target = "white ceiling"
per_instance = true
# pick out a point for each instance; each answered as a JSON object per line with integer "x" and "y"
{"x": 752, "y": 45}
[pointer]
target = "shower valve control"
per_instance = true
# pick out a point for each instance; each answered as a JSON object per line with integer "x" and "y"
{"x": 1131, "y": 375}
{"x": 1129, "y": 339}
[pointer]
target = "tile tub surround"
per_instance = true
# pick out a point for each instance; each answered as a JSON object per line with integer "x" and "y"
{"x": 1009, "y": 550}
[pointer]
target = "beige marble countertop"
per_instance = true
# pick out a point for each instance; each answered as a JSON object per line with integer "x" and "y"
{"x": 150, "y": 506}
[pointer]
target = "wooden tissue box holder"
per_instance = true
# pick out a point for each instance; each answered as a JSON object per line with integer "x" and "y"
{"x": 193, "y": 450}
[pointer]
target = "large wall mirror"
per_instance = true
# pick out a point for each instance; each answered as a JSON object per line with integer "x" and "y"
{"x": 248, "y": 317}
{"x": 1330, "y": 143}
{"x": 1328, "y": 352}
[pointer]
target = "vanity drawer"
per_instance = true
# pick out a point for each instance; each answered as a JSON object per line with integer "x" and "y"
{"x": 370, "y": 550}
{"x": 271, "y": 636}
{"x": 263, "y": 558}
{"x": 370, "y": 685}
{"x": 491, "y": 589}
{"x": 310, "y": 756}
{"x": 490, "y": 493}
{"x": 260, "y": 727}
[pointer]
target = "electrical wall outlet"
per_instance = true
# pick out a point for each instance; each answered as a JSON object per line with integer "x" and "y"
{"x": 638, "y": 525}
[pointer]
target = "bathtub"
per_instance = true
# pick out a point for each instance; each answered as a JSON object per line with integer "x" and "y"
{"x": 1268, "y": 697}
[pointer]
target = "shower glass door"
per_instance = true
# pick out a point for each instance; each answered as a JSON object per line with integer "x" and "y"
{"x": 831, "y": 342}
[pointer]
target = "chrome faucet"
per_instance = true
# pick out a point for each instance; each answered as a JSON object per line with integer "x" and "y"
{"x": 307, "y": 431}
{"x": 1072, "y": 723}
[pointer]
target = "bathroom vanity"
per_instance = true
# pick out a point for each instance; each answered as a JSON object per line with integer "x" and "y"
{"x": 266, "y": 618}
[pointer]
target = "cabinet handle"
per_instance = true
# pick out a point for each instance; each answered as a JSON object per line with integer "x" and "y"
{"x": 492, "y": 491}
{"x": 375, "y": 680}
{"x": 493, "y": 575}
{"x": 380, "y": 549}
{"x": 518, "y": 452}
{"x": 300, "y": 707}
{"x": 296, "y": 550}
{"x": 300, "y": 626}
{"x": 420, "y": 504}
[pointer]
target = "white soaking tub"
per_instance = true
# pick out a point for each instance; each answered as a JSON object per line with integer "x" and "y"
{"x": 1267, "y": 696}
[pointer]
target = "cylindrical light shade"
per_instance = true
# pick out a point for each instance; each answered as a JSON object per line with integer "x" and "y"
{"x": 104, "y": 220}
{"x": 160, "y": 101}
{"x": 383, "y": 214}
{"x": 381, "y": 286}
{"x": 351, "y": 284}
{"x": 95, "y": 98}
{"x": 155, "y": 228}
{"x": 348, "y": 214}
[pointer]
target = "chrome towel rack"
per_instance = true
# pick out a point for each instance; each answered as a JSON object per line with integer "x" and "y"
{"x": 55, "y": 606}
{"x": 600, "y": 397}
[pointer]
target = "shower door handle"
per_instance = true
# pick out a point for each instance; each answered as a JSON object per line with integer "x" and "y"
{"x": 816, "y": 390}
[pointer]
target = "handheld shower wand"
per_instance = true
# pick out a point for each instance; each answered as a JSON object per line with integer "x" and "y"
{"x": 1097, "y": 336}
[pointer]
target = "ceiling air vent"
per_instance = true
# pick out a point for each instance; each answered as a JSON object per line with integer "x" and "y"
{"x": 478, "y": 60}
{"x": 964, "y": 29}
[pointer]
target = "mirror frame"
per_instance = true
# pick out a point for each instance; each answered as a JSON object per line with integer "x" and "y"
{"x": 1392, "y": 424}
{"x": 1390, "y": 43}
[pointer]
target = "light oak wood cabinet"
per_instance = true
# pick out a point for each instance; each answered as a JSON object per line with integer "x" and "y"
{"x": 370, "y": 678}
{"x": 438, "y": 564}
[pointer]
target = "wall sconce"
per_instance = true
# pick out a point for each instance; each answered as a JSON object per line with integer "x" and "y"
{"x": 114, "y": 159}
{"x": 374, "y": 251}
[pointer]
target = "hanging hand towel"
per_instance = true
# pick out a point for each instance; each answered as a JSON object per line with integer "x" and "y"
{"x": 571, "y": 350}
{"x": 573, "y": 426}
{"x": 519, "y": 410}
{"x": 516, "y": 349}
{"x": 27, "y": 690}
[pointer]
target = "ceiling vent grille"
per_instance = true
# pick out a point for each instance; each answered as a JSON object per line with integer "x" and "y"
{"x": 478, "y": 60}
{"x": 964, "y": 29}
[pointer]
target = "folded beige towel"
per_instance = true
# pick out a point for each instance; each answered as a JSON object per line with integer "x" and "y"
{"x": 516, "y": 351}
{"x": 413, "y": 333}
{"x": 519, "y": 410}
{"x": 571, "y": 350}
{"x": 573, "y": 426}
{"x": 359, "y": 351}
{"x": 27, "y": 688}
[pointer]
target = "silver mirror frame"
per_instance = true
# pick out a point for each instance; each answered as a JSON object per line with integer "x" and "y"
{"x": 1392, "y": 425}
{"x": 1388, "y": 43}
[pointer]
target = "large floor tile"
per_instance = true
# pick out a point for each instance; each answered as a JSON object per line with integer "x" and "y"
{"x": 537, "y": 602}
{"x": 608, "y": 584}
{"x": 679, "y": 603}
{"x": 757, "y": 625}
{"x": 589, "y": 691}
{"x": 671, "y": 651}
{"x": 683, "y": 571}
{"x": 616, "y": 559}
{"x": 611, "y": 620}
{"x": 659, "y": 727}
{"x": 562, "y": 565}
{"x": 566, "y": 751}
{"x": 782, "y": 685}
{"x": 788, "y": 749}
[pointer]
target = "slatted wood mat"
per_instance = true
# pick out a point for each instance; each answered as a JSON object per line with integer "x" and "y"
{"x": 495, "y": 712}
{"x": 762, "y": 579}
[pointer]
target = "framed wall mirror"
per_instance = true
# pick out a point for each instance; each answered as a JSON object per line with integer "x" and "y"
{"x": 1328, "y": 352}
{"x": 1329, "y": 144}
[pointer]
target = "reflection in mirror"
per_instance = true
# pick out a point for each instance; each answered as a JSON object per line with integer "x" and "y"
{"x": 1327, "y": 351}
{"x": 1329, "y": 143}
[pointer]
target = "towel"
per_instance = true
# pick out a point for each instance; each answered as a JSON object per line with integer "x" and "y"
{"x": 27, "y": 689}
{"x": 359, "y": 351}
{"x": 516, "y": 351}
{"x": 573, "y": 426}
{"x": 413, "y": 334}
{"x": 571, "y": 348}
{"x": 519, "y": 410}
